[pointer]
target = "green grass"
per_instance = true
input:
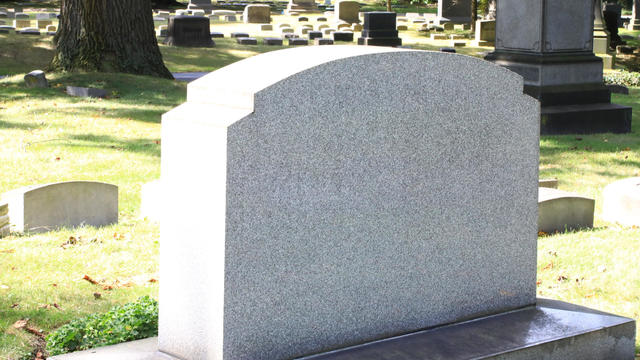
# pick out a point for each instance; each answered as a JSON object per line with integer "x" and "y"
{"x": 48, "y": 136}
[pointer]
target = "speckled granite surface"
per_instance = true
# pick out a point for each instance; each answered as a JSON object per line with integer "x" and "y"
{"x": 369, "y": 193}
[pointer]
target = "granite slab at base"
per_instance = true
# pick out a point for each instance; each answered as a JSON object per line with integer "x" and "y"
{"x": 145, "y": 349}
{"x": 585, "y": 119}
{"x": 550, "y": 330}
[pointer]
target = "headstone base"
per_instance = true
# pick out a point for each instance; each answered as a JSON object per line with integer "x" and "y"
{"x": 380, "y": 41}
{"x": 551, "y": 329}
{"x": 569, "y": 87}
{"x": 585, "y": 119}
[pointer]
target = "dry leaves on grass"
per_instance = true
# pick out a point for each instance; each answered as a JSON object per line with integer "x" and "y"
{"x": 49, "y": 306}
{"x": 7, "y": 251}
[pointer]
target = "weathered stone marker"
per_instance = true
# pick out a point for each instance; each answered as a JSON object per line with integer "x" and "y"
{"x": 42, "y": 208}
{"x": 349, "y": 216}
{"x": 257, "y": 14}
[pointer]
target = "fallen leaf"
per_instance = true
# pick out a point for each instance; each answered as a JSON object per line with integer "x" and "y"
{"x": 548, "y": 266}
{"x": 55, "y": 305}
{"x": 562, "y": 278}
{"x": 44, "y": 306}
{"x": 20, "y": 323}
{"x": 15, "y": 305}
{"x": 539, "y": 282}
{"x": 97, "y": 295}
{"x": 34, "y": 331}
{"x": 8, "y": 251}
{"x": 58, "y": 158}
{"x": 602, "y": 268}
{"x": 152, "y": 280}
{"x": 89, "y": 279}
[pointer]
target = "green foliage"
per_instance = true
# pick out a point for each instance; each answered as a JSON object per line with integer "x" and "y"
{"x": 128, "y": 322}
{"x": 624, "y": 78}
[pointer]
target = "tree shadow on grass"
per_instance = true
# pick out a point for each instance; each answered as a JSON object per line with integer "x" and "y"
{"x": 16, "y": 125}
{"x": 146, "y": 146}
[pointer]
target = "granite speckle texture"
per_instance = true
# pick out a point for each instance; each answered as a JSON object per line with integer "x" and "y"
{"x": 342, "y": 201}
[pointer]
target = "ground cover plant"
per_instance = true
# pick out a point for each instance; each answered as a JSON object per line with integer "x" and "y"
{"x": 54, "y": 278}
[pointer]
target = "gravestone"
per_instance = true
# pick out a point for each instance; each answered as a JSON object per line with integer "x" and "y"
{"x": 380, "y": 29}
{"x": 295, "y": 7}
{"x": 200, "y": 4}
{"x": 347, "y": 11}
{"x": 21, "y": 24}
{"x": 36, "y": 79}
{"x": 189, "y": 31}
{"x": 454, "y": 11}
{"x": 634, "y": 24}
{"x": 257, "y": 14}
{"x": 601, "y": 37}
{"x": 42, "y": 24}
{"x": 328, "y": 223}
{"x": 314, "y": 35}
{"x": 552, "y": 48}
{"x": 561, "y": 210}
{"x": 485, "y": 33}
{"x": 343, "y": 36}
{"x": 4, "y": 219}
{"x": 66, "y": 204}
{"x": 621, "y": 202}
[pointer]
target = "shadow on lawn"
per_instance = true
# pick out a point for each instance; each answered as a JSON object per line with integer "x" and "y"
{"x": 146, "y": 146}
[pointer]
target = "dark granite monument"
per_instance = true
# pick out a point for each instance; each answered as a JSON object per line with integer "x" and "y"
{"x": 189, "y": 31}
{"x": 379, "y": 29}
{"x": 552, "y": 48}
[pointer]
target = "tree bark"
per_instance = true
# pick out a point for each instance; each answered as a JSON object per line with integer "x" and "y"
{"x": 474, "y": 15}
{"x": 108, "y": 36}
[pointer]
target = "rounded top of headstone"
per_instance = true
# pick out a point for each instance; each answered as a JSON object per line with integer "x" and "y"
{"x": 222, "y": 87}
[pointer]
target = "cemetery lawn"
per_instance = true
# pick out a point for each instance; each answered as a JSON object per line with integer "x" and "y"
{"x": 47, "y": 136}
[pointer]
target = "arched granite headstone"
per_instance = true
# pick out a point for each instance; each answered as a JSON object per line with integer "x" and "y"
{"x": 343, "y": 195}
{"x": 47, "y": 207}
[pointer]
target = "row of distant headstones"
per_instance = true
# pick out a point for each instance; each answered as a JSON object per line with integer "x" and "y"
{"x": 75, "y": 203}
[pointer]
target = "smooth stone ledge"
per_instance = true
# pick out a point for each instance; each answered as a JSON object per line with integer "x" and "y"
{"x": 552, "y": 330}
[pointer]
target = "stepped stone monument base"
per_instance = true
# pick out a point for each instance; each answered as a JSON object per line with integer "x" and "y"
{"x": 554, "y": 55}
{"x": 551, "y": 329}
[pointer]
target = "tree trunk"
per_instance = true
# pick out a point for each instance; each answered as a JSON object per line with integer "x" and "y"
{"x": 474, "y": 15}
{"x": 108, "y": 36}
{"x": 389, "y": 5}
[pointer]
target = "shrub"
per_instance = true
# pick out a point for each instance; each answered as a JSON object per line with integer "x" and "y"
{"x": 624, "y": 78}
{"x": 128, "y": 322}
